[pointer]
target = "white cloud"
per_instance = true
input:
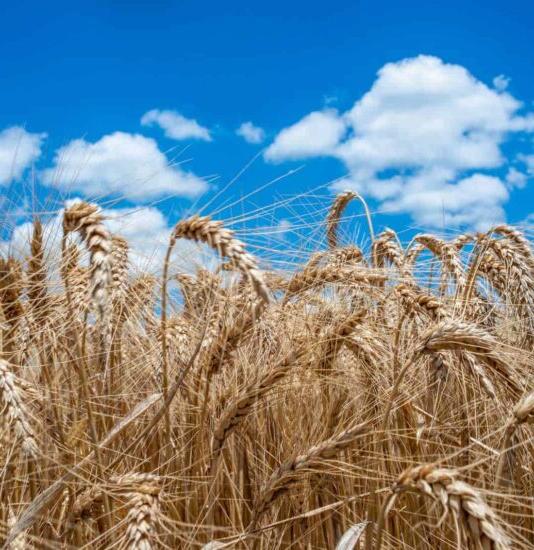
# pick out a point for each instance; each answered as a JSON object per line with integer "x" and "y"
{"x": 423, "y": 112}
{"x": 175, "y": 125}
{"x": 18, "y": 150}
{"x": 251, "y": 133}
{"x": 476, "y": 200}
{"x": 501, "y": 82}
{"x": 429, "y": 123}
{"x": 515, "y": 178}
{"x": 282, "y": 229}
{"x": 128, "y": 165}
{"x": 316, "y": 134}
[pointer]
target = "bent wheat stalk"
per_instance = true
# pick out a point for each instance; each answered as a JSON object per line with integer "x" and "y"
{"x": 205, "y": 230}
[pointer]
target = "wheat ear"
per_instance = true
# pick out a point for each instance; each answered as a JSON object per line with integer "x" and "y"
{"x": 144, "y": 507}
{"x": 242, "y": 404}
{"x": 289, "y": 472}
{"x": 85, "y": 219}
{"x": 16, "y": 411}
{"x": 204, "y": 229}
{"x": 37, "y": 294}
{"x": 523, "y": 413}
{"x": 471, "y": 514}
{"x": 318, "y": 276}
{"x": 334, "y": 215}
{"x": 518, "y": 239}
{"x": 454, "y": 335}
{"x": 119, "y": 266}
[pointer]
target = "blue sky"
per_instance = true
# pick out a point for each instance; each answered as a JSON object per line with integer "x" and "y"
{"x": 424, "y": 107}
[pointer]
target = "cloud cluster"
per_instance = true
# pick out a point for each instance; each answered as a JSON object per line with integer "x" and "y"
{"x": 417, "y": 140}
{"x": 18, "y": 150}
{"x": 128, "y": 165}
{"x": 251, "y": 133}
{"x": 175, "y": 125}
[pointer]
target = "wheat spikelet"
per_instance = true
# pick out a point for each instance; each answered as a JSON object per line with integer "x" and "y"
{"x": 415, "y": 300}
{"x": 520, "y": 270}
{"x": 139, "y": 301}
{"x": 204, "y": 229}
{"x": 10, "y": 300}
{"x": 86, "y": 504}
{"x": 143, "y": 493}
{"x": 519, "y": 242}
{"x": 20, "y": 542}
{"x": 311, "y": 278}
{"x": 524, "y": 410}
{"x": 448, "y": 254}
{"x": 346, "y": 255}
{"x": 432, "y": 243}
{"x": 460, "y": 500}
{"x": 235, "y": 412}
{"x": 16, "y": 411}
{"x": 452, "y": 264}
{"x": 334, "y": 339}
{"x": 37, "y": 292}
{"x": 523, "y": 413}
{"x": 334, "y": 214}
{"x": 85, "y": 219}
{"x": 119, "y": 266}
{"x": 494, "y": 271}
{"x": 457, "y": 335}
{"x": 462, "y": 240}
{"x": 386, "y": 248}
{"x": 480, "y": 373}
{"x": 288, "y": 473}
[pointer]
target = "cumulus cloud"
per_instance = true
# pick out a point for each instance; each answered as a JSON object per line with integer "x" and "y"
{"x": 175, "y": 125}
{"x": 316, "y": 134}
{"x": 18, "y": 150}
{"x": 433, "y": 125}
{"x": 128, "y": 165}
{"x": 251, "y": 133}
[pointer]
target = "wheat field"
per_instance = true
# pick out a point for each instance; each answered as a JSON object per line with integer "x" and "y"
{"x": 355, "y": 401}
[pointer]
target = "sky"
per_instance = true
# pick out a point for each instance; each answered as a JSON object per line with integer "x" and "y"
{"x": 159, "y": 109}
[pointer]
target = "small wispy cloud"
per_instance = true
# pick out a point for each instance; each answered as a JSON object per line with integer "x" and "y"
{"x": 175, "y": 125}
{"x": 251, "y": 133}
